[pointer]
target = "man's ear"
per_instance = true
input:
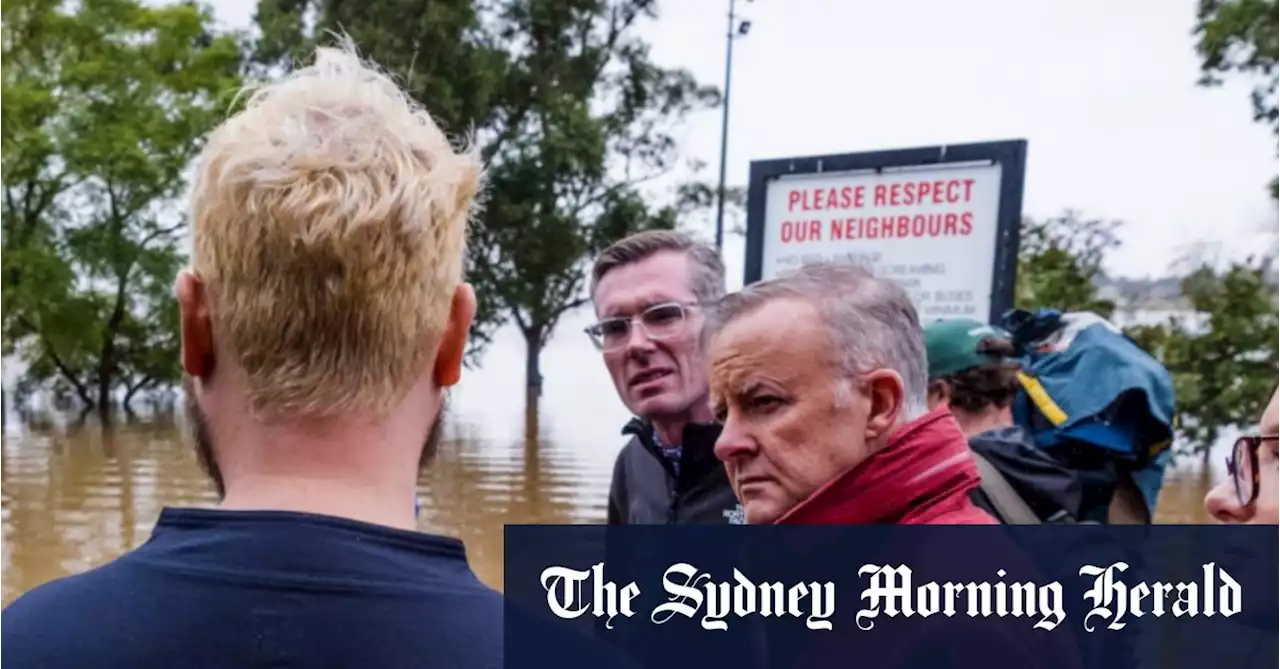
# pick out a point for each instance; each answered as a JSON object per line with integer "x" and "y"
{"x": 453, "y": 342}
{"x": 939, "y": 393}
{"x": 885, "y": 392}
{"x": 198, "y": 358}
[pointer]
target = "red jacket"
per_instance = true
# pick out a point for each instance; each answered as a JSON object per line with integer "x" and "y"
{"x": 923, "y": 476}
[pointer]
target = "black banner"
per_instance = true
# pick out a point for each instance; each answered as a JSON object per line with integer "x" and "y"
{"x": 1084, "y": 596}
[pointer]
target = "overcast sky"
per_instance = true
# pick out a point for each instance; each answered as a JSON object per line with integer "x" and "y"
{"x": 1103, "y": 91}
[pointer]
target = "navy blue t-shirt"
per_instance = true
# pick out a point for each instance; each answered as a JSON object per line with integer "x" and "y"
{"x": 215, "y": 588}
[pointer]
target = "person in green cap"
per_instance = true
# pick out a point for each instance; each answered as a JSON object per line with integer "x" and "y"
{"x": 972, "y": 370}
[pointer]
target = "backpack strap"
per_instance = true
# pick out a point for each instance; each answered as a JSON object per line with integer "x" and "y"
{"x": 1009, "y": 504}
{"x": 1040, "y": 398}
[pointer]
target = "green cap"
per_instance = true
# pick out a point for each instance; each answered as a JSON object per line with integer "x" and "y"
{"x": 952, "y": 345}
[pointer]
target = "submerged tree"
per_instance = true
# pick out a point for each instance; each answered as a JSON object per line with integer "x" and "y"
{"x": 105, "y": 104}
{"x": 569, "y": 110}
{"x": 600, "y": 114}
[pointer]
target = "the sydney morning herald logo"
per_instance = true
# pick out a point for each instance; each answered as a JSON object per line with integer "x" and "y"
{"x": 891, "y": 591}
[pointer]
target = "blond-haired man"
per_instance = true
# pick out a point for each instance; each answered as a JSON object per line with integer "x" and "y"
{"x": 323, "y": 319}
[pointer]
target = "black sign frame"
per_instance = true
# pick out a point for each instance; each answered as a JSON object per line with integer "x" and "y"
{"x": 1011, "y": 155}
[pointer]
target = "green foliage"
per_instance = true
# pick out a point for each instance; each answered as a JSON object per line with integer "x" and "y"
{"x": 1223, "y": 374}
{"x": 567, "y": 106}
{"x": 441, "y": 54}
{"x": 1240, "y": 36}
{"x": 1223, "y": 358}
{"x": 106, "y": 104}
{"x": 1060, "y": 261}
{"x": 697, "y": 199}
{"x": 597, "y": 126}
{"x": 437, "y": 48}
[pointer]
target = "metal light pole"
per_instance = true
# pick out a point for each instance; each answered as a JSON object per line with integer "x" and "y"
{"x": 735, "y": 31}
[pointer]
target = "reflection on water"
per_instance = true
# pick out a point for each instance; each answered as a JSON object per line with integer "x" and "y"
{"x": 74, "y": 497}
{"x": 77, "y": 497}
{"x": 1182, "y": 498}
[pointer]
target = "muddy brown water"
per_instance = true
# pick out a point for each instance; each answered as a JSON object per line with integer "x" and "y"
{"x": 76, "y": 497}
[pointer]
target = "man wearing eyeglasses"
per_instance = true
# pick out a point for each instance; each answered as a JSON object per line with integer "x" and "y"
{"x": 649, "y": 292}
{"x": 1250, "y": 494}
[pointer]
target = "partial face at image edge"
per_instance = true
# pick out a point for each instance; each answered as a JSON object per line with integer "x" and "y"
{"x": 1250, "y": 494}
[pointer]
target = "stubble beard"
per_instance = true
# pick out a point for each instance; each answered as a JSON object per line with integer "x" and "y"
{"x": 201, "y": 435}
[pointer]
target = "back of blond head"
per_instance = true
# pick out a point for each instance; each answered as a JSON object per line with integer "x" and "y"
{"x": 330, "y": 221}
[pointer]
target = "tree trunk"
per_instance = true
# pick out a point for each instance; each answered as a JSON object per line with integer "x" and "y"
{"x": 132, "y": 391}
{"x": 104, "y": 399}
{"x": 107, "y": 369}
{"x": 72, "y": 376}
{"x": 533, "y": 383}
{"x": 123, "y": 457}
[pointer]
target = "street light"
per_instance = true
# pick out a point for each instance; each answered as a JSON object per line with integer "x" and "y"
{"x": 735, "y": 31}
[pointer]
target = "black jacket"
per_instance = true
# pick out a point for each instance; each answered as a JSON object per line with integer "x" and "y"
{"x": 646, "y": 490}
{"x": 1051, "y": 489}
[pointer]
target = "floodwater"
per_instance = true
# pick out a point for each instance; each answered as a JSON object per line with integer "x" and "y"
{"x": 74, "y": 498}
{"x": 77, "y": 496}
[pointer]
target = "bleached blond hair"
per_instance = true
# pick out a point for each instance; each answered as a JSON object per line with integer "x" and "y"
{"x": 329, "y": 222}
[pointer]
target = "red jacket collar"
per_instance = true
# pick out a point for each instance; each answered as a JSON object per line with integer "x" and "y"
{"x": 922, "y": 476}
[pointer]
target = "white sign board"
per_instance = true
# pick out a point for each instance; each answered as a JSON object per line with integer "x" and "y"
{"x": 933, "y": 230}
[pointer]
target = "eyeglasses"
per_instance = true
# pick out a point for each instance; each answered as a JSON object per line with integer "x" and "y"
{"x": 1242, "y": 465}
{"x": 659, "y": 321}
